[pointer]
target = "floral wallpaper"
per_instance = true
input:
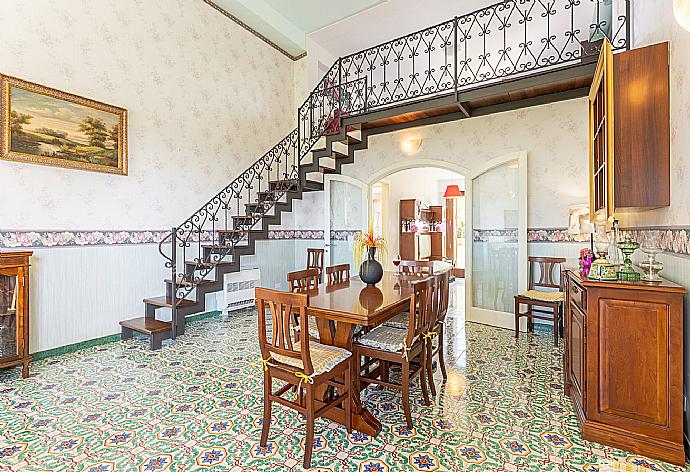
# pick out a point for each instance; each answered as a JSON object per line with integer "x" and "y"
{"x": 205, "y": 99}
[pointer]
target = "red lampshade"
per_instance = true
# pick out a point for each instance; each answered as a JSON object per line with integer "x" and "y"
{"x": 453, "y": 191}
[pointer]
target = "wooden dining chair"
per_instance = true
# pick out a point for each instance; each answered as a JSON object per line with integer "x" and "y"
{"x": 441, "y": 302}
{"x": 542, "y": 304}
{"x": 416, "y": 267}
{"x": 303, "y": 281}
{"x": 392, "y": 345}
{"x": 307, "y": 365}
{"x": 338, "y": 274}
{"x": 315, "y": 260}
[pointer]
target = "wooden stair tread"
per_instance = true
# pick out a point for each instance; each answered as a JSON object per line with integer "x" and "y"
{"x": 147, "y": 325}
{"x": 188, "y": 283}
{"x": 163, "y": 302}
{"x": 206, "y": 264}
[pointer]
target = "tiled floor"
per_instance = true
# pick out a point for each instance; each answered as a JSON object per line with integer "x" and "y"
{"x": 197, "y": 404}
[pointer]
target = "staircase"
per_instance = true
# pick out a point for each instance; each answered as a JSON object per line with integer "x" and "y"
{"x": 424, "y": 75}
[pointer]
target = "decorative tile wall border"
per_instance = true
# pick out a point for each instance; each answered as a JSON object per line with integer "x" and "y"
{"x": 50, "y": 239}
{"x": 673, "y": 239}
{"x": 311, "y": 234}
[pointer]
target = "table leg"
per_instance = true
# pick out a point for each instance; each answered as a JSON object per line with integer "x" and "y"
{"x": 362, "y": 419}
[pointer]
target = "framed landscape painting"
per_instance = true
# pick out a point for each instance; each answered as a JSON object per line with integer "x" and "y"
{"x": 45, "y": 126}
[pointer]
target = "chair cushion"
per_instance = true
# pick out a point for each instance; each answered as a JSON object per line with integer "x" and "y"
{"x": 385, "y": 338}
{"x": 323, "y": 357}
{"x": 313, "y": 329}
{"x": 400, "y": 321}
{"x": 544, "y": 296}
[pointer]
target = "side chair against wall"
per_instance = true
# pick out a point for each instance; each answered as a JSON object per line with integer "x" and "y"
{"x": 437, "y": 330}
{"x": 542, "y": 304}
{"x": 305, "y": 365}
{"x": 392, "y": 345}
{"x": 303, "y": 281}
{"x": 338, "y": 274}
{"x": 315, "y": 260}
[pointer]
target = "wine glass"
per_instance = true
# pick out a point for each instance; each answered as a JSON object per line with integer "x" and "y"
{"x": 651, "y": 245}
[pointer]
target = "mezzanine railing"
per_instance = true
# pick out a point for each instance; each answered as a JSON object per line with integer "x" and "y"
{"x": 502, "y": 41}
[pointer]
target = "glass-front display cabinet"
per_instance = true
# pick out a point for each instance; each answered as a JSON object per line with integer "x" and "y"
{"x": 14, "y": 310}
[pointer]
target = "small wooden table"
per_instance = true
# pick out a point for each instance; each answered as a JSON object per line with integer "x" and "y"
{"x": 339, "y": 308}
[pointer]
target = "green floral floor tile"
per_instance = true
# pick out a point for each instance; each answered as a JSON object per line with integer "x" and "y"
{"x": 197, "y": 405}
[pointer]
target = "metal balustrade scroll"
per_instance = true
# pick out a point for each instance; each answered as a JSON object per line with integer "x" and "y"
{"x": 503, "y": 41}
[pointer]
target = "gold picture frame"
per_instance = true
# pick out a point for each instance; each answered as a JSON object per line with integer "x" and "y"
{"x": 42, "y": 125}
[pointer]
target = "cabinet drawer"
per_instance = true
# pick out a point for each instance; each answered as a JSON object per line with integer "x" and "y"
{"x": 577, "y": 294}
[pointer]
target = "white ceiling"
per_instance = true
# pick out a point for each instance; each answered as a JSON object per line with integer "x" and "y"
{"x": 388, "y": 21}
{"x": 342, "y": 27}
{"x": 287, "y": 22}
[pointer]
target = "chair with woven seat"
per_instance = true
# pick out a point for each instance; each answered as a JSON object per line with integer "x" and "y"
{"x": 304, "y": 365}
{"x": 542, "y": 304}
{"x": 441, "y": 301}
{"x": 392, "y": 345}
{"x": 338, "y": 274}
{"x": 304, "y": 281}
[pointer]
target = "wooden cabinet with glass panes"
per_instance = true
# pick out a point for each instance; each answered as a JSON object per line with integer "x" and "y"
{"x": 629, "y": 131}
{"x": 14, "y": 310}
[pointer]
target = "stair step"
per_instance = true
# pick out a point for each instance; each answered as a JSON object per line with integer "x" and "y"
{"x": 339, "y": 154}
{"x": 284, "y": 185}
{"x": 188, "y": 283}
{"x": 209, "y": 264}
{"x": 147, "y": 326}
{"x": 350, "y": 140}
{"x": 164, "y": 303}
{"x": 326, "y": 170}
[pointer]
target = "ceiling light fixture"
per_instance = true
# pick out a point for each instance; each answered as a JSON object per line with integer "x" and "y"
{"x": 681, "y": 10}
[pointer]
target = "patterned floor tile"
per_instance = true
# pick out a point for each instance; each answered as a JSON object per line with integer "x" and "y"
{"x": 197, "y": 405}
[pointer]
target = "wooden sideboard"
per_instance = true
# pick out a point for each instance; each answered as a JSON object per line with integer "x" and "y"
{"x": 14, "y": 310}
{"x": 623, "y": 364}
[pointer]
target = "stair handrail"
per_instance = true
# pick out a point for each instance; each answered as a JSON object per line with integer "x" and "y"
{"x": 348, "y": 88}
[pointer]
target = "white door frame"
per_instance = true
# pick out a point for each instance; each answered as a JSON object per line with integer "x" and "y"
{"x": 328, "y": 178}
{"x": 480, "y": 315}
{"x": 407, "y": 162}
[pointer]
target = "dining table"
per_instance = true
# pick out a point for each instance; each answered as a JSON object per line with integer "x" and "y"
{"x": 339, "y": 308}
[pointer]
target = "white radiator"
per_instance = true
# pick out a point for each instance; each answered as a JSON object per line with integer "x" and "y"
{"x": 238, "y": 289}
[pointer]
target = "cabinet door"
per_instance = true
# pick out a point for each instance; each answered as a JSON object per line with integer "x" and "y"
{"x": 601, "y": 142}
{"x": 576, "y": 353}
{"x": 633, "y": 356}
{"x": 11, "y": 323}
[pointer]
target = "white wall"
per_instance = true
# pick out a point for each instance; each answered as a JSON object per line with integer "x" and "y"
{"x": 205, "y": 98}
{"x": 554, "y": 137}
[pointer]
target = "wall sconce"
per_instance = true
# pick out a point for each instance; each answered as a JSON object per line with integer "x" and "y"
{"x": 411, "y": 145}
{"x": 681, "y": 10}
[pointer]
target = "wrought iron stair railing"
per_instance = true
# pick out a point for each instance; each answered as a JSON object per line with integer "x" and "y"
{"x": 502, "y": 41}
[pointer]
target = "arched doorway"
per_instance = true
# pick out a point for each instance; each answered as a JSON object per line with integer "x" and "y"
{"x": 495, "y": 236}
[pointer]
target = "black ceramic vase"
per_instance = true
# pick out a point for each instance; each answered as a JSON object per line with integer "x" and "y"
{"x": 371, "y": 271}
